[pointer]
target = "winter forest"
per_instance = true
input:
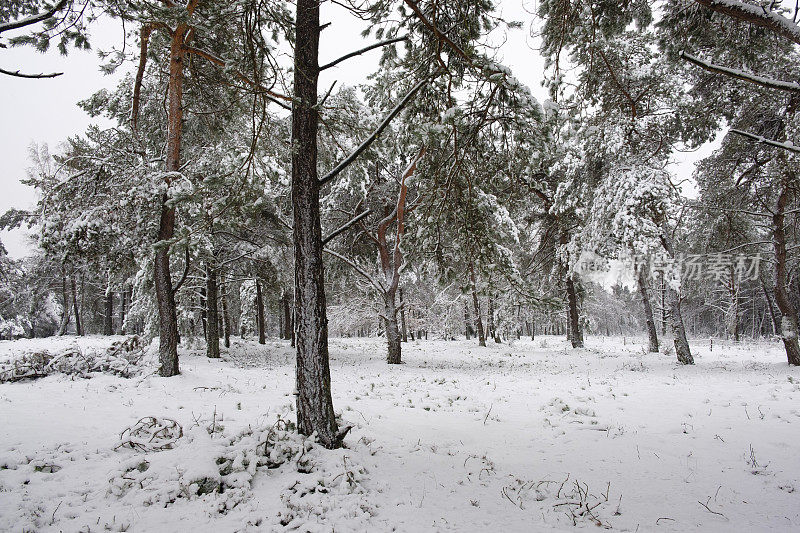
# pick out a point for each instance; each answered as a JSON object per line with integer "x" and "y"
{"x": 260, "y": 294}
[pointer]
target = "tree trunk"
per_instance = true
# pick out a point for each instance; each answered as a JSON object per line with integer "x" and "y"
{"x": 392, "y": 330}
{"x": 678, "y": 331}
{"x": 652, "y": 333}
{"x": 788, "y": 311}
{"x": 203, "y": 313}
{"x": 260, "y": 314}
{"x": 476, "y": 306}
{"x": 62, "y": 329}
{"x": 108, "y": 324}
{"x": 467, "y": 327}
{"x": 226, "y": 319}
{"x": 212, "y": 337}
{"x": 313, "y": 379}
{"x": 76, "y": 309}
{"x": 776, "y": 324}
{"x": 403, "y": 317}
{"x": 165, "y": 296}
{"x": 574, "y": 324}
{"x": 490, "y": 320}
{"x": 122, "y": 311}
{"x": 663, "y": 291}
{"x": 288, "y": 326}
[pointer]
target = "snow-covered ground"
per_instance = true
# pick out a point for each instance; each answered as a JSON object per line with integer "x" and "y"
{"x": 530, "y": 436}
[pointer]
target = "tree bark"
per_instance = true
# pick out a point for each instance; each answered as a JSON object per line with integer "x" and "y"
{"x": 574, "y": 324}
{"x": 313, "y": 380}
{"x": 776, "y": 324}
{"x": 288, "y": 327}
{"x": 62, "y": 329}
{"x": 652, "y": 333}
{"x": 682, "y": 351}
{"x": 260, "y": 314}
{"x": 403, "y": 317}
{"x": 165, "y": 296}
{"x": 75, "y": 309}
{"x": 108, "y": 323}
{"x": 226, "y": 318}
{"x": 789, "y": 326}
{"x": 212, "y": 311}
{"x": 467, "y": 327}
{"x": 477, "y": 306}
{"x": 392, "y": 331}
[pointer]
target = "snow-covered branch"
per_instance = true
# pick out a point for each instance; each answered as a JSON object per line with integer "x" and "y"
{"x": 345, "y": 226}
{"x": 363, "y": 50}
{"x": 373, "y": 281}
{"x": 375, "y": 134}
{"x": 16, "y": 24}
{"x": 755, "y": 14}
{"x": 787, "y": 145}
{"x": 761, "y": 81}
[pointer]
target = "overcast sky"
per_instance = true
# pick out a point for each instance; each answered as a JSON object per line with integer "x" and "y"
{"x": 45, "y": 111}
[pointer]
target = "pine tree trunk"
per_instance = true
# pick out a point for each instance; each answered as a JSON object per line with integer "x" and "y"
{"x": 682, "y": 350}
{"x": 76, "y": 309}
{"x": 663, "y": 291}
{"x": 212, "y": 337}
{"x": 789, "y": 326}
{"x": 314, "y": 403}
{"x": 403, "y": 317}
{"x": 652, "y": 333}
{"x": 203, "y": 311}
{"x": 394, "y": 356}
{"x": 108, "y": 324}
{"x": 122, "y": 311}
{"x": 262, "y": 339}
{"x": 490, "y": 320}
{"x": 476, "y": 306}
{"x": 165, "y": 296}
{"x": 288, "y": 327}
{"x": 574, "y": 324}
{"x": 226, "y": 318}
{"x": 62, "y": 329}
{"x": 467, "y": 327}
{"x": 776, "y": 324}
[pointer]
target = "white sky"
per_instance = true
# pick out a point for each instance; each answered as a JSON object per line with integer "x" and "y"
{"x": 45, "y": 111}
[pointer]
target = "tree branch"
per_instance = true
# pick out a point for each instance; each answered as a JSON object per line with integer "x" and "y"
{"x": 760, "y": 16}
{"x": 375, "y": 283}
{"x": 363, "y": 50}
{"x": 375, "y": 134}
{"x": 271, "y": 95}
{"x": 344, "y": 227}
{"x": 34, "y": 18}
{"x": 761, "y": 81}
{"x": 788, "y": 145}
{"x": 18, "y": 74}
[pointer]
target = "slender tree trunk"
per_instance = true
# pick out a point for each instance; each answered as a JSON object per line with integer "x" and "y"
{"x": 403, "y": 317}
{"x": 122, "y": 311}
{"x": 663, "y": 291}
{"x": 682, "y": 351}
{"x": 62, "y": 329}
{"x": 203, "y": 313}
{"x": 490, "y": 320}
{"x": 76, "y": 309}
{"x": 108, "y": 324}
{"x": 574, "y": 324}
{"x": 288, "y": 326}
{"x": 467, "y": 326}
{"x": 212, "y": 311}
{"x": 477, "y": 306}
{"x": 652, "y": 333}
{"x": 789, "y": 326}
{"x": 776, "y": 324}
{"x": 165, "y": 296}
{"x": 260, "y": 314}
{"x": 394, "y": 356}
{"x": 226, "y": 318}
{"x": 314, "y": 403}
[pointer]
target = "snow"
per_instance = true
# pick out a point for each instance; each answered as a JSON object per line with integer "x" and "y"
{"x": 520, "y": 436}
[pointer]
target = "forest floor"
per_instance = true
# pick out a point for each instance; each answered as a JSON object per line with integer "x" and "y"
{"x": 526, "y": 436}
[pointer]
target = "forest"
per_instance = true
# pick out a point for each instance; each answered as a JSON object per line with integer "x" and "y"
{"x": 430, "y": 299}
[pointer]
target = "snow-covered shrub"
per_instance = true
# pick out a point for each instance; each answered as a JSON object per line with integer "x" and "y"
{"x": 122, "y": 358}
